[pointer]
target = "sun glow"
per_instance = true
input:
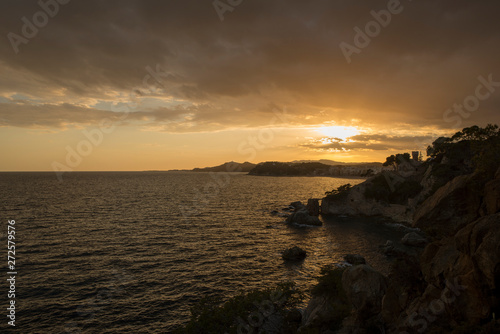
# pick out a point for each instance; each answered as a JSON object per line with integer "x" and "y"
{"x": 342, "y": 132}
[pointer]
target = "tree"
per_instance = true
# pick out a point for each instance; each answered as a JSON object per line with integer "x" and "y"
{"x": 475, "y": 133}
{"x": 396, "y": 160}
{"x": 473, "y": 149}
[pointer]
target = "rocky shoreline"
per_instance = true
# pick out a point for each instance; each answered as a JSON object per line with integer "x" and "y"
{"x": 450, "y": 280}
{"x": 446, "y": 280}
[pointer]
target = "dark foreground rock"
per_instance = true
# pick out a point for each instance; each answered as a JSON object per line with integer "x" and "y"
{"x": 450, "y": 208}
{"x": 365, "y": 288}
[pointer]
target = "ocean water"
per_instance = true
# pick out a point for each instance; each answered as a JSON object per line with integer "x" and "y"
{"x": 130, "y": 252}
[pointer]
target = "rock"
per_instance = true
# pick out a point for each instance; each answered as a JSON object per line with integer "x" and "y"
{"x": 492, "y": 197}
{"x": 406, "y": 169}
{"x": 413, "y": 239}
{"x": 296, "y": 205}
{"x": 321, "y": 311}
{"x": 356, "y": 204}
{"x": 294, "y": 316}
{"x": 365, "y": 287}
{"x": 273, "y": 324}
{"x": 481, "y": 241}
{"x": 294, "y": 254}
{"x": 302, "y": 217}
{"x": 354, "y": 259}
{"x": 388, "y": 248}
{"x": 450, "y": 208}
{"x": 313, "y": 206}
{"x": 462, "y": 273}
{"x": 314, "y": 221}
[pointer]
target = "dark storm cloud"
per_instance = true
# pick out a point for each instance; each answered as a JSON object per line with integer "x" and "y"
{"x": 283, "y": 52}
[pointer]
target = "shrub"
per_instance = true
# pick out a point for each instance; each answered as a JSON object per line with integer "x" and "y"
{"x": 330, "y": 282}
{"x": 379, "y": 190}
{"x": 212, "y": 315}
{"x": 339, "y": 193}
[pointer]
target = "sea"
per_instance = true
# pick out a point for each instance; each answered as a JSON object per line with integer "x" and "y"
{"x": 131, "y": 252}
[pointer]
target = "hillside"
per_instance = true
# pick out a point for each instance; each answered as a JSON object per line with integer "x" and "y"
{"x": 274, "y": 168}
{"x": 228, "y": 167}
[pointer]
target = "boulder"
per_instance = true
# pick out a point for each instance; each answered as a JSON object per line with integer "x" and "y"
{"x": 481, "y": 241}
{"x": 492, "y": 197}
{"x": 302, "y": 217}
{"x": 313, "y": 206}
{"x": 462, "y": 273}
{"x": 322, "y": 313}
{"x": 316, "y": 311}
{"x": 294, "y": 254}
{"x": 354, "y": 259}
{"x": 365, "y": 287}
{"x": 450, "y": 208}
{"x": 414, "y": 240}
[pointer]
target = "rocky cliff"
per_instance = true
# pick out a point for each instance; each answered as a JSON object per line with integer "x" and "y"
{"x": 377, "y": 196}
{"x": 450, "y": 284}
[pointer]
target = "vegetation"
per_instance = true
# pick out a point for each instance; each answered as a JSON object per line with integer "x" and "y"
{"x": 396, "y": 160}
{"x": 380, "y": 190}
{"x": 243, "y": 313}
{"x": 474, "y": 149}
{"x": 330, "y": 283}
{"x": 339, "y": 193}
{"x": 368, "y": 173}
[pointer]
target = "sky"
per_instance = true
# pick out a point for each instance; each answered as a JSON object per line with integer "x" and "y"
{"x": 158, "y": 85}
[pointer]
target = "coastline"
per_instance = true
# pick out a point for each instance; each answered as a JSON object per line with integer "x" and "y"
{"x": 446, "y": 278}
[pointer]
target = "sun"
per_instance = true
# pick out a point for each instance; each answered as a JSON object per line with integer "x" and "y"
{"x": 342, "y": 132}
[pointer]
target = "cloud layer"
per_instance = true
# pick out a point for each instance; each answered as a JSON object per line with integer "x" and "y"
{"x": 176, "y": 67}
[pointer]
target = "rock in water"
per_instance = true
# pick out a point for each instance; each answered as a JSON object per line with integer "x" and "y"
{"x": 354, "y": 259}
{"x": 301, "y": 216}
{"x": 297, "y": 204}
{"x": 294, "y": 254}
{"x": 313, "y": 206}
